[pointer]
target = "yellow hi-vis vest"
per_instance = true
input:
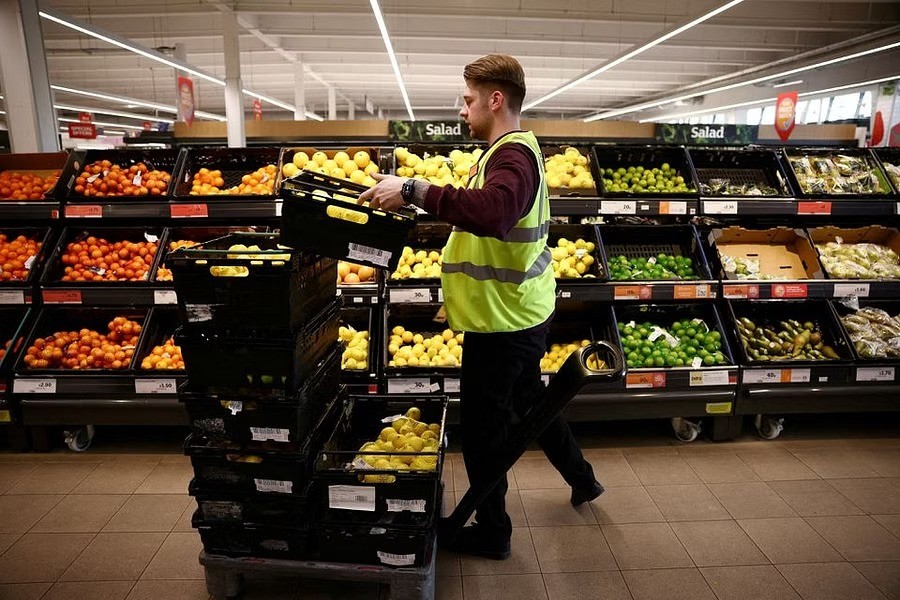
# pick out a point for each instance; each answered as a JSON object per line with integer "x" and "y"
{"x": 494, "y": 285}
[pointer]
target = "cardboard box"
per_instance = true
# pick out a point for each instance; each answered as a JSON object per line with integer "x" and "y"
{"x": 874, "y": 234}
{"x": 783, "y": 253}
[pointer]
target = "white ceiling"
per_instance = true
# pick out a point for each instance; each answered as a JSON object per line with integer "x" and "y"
{"x": 556, "y": 41}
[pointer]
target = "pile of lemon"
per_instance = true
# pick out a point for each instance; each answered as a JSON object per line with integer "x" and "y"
{"x": 569, "y": 170}
{"x": 558, "y": 354}
{"x": 358, "y": 168}
{"x": 438, "y": 169}
{"x": 422, "y": 264}
{"x": 356, "y": 351}
{"x": 409, "y": 349}
{"x": 572, "y": 260}
{"x": 411, "y": 446}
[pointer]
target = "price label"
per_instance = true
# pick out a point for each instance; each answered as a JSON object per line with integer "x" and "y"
{"x": 795, "y": 376}
{"x": 61, "y": 296}
{"x": 565, "y": 295}
{"x": 441, "y": 295}
{"x": 12, "y": 297}
{"x": 670, "y": 207}
{"x": 404, "y": 505}
{"x": 451, "y": 386}
{"x": 34, "y": 386}
{"x": 165, "y": 297}
{"x": 789, "y": 290}
{"x": 187, "y": 211}
{"x": 351, "y": 497}
{"x": 814, "y": 208}
{"x": 155, "y": 386}
{"x": 846, "y": 290}
{"x": 420, "y": 385}
{"x": 740, "y": 291}
{"x": 263, "y": 434}
{"x": 875, "y": 374}
{"x": 645, "y": 380}
{"x": 617, "y": 207}
{"x": 691, "y": 292}
{"x": 278, "y": 205}
{"x": 632, "y": 292}
{"x": 703, "y": 378}
{"x": 406, "y": 296}
{"x": 762, "y": 376}
{"x": 718, "y": 408}
{"x": 89, "y": 211}
{"x": 720, "y": 207}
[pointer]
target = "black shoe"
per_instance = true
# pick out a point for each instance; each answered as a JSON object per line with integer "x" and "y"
{"x": 580, "y": 496}
{"x": 474, "y": 541}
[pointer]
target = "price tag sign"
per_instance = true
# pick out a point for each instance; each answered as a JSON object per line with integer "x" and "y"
{"x": 418, "y": 385}
{"x": 846, "y": 290}
{"x": 12, "y": 297}
{"x": 762, "y": 376}
{"x": 617, "y": 207}
{"x": 188, "y": 211}
{"x": 875, "y": 374}
{"x": 84, "y": 211}
{"x": 165, "y": 297}
{"x": 814, "y": 208}
{"x": 155, "y": 386}
{"x": 451, "y": 386}
{"x": 632, "y": 292}
{"x": 720, "y": 207}
{"x": 645, "y": 380}
{"x": 62, "y": 296}
{"x": 795, "y": 376}
{"x": 691, "y": 292}
{"x": 670, "y": 207}
{"x": 34, "y": 386}
{"x": 278, "y": 205}
{"x": 704, "y": 378}
{"x": 740, "y": 291}
{"x": 406, "y": 296}
{"x": 351, "y": 497}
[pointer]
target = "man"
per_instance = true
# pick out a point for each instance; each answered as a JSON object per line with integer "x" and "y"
{"x": 499, "y": 289}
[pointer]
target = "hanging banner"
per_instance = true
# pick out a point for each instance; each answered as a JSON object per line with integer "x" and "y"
{"x": 85, "y": 117}
{"x": 785, "y": 113}
{"x": 148, "y": 126}
{"x": 669, "y": 133}
{"x": 84, "y": 131}
{"x": 186, "y": 100}
{"x": 428, "y": 131}
{"x": 257, "y": 109}
{"x": 885, "y": 121}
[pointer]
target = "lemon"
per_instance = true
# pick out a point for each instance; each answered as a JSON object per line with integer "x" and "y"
{"x": 369, "y": 182}
{"x": 382, "y": 464}
{"x": 370, "y": 168}
{"x": 401, "y": 153}
{"x": 361, "y": 159}
{"x": 290, "y": 169}
{"x": 340, "y": 158}
{"x": 398, "y": 424}
{"x": 300, "y": 159}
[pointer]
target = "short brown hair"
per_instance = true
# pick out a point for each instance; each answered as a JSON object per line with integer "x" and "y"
{"x": 501, "y": 72}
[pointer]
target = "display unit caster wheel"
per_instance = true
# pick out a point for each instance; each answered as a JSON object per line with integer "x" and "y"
{"x": 686, "y": 431}
{"x": 80, "y": 439}
{"x": 769, "y": 428}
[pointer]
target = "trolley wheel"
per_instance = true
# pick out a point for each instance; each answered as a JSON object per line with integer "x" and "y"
{"x": 80, "y": 439}
{"x": 769, "y": 428}
{"x": 686, "y": 431}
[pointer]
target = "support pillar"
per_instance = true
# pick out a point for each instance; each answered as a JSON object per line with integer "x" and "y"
{"x": 234, "y": 99}
{"x": 332, "y": 104}
{"x": 299, "y": 92}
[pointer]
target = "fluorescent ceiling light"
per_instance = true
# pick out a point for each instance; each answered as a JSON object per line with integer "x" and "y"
{"x": 102, "y": 124}
{"x": 113, "y": 132}
{"x": 280, "y": 104}
{"x": 631, "y": 54}
{"x": 637, "y": 107}
{"x": 787, "y": 83}
{"x": 379, "y": 18}
{"x": 134, "y": 103}
{"x": 115, "y": 113}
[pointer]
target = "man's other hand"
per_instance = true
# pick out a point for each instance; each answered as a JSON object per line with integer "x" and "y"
{"x": 385, "y": 195}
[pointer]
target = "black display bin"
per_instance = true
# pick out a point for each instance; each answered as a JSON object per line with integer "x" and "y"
{"x": 234, "y": 163}
{"x": 156, "y": 159}
{"x": 739, "y": 166}
{"x": 633, "y": 241}
{"x": 620, "y": 156}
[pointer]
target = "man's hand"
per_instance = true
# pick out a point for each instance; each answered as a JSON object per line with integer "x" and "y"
{"x": 385, "y": 195}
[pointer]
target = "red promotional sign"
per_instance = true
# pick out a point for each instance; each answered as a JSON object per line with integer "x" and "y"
{"x": 785, "y": 113}
{"x": 85, "y": 131}
{"x": 148, "y": 126}
{"x": 85, "y": 117}
{"x": 186, "y": 100}
{"x": 257, "y": 110}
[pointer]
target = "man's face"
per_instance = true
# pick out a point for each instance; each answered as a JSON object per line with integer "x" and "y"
{"x": 476, "y": 111}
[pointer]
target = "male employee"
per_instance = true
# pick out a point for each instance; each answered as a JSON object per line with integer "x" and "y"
{"x": 499, "y": 289}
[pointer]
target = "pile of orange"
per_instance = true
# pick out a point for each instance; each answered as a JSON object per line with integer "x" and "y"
{"x": 86, "y": 349}
{"x": 102, "y": 179}
{"x": 96, "y": 259}
{"x": 14, "y": 254}
{"x": 164, "y": 274}
{"x": 259, "y": 183}
{"x": 165, "y": 357}
{"x": 350, "y": 273}
{"x": 25, "y": 186}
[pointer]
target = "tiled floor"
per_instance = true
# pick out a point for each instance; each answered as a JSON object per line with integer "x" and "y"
{"x": 817, "y": 519}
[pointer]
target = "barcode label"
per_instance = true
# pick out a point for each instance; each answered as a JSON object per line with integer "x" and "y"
{"x": 274, "y": 485}
{"x": 262, "y": 434}
{"x": 401, "y": 505}
{"x": 351, "y": 497}
{"x": 396, "y": 560}
{"x": 361, "y": 252}
{"x": 199, "y": 313}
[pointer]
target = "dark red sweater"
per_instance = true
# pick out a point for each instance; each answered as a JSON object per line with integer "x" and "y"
{"x": 508, "y": 194}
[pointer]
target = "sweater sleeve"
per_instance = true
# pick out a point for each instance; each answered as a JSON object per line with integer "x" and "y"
{"x": 508, "y": 193}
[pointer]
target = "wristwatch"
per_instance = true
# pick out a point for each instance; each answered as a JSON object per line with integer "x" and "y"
{"x": 408, "y": 190}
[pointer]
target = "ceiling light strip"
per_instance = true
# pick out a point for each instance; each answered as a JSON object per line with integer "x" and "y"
{"x": 379, "y": 18}
{"x": 103, "y": 124}
{"x": 114, "y": 113}
{"x": 787, "y": 83}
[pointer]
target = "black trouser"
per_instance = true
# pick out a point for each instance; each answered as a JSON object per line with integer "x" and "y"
{"x": 500, "y": 381}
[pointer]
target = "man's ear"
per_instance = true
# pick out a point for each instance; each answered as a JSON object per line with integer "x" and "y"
{"x": 496, "y": 101}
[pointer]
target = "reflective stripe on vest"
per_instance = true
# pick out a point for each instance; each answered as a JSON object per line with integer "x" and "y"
{"x": 487, "y": 272}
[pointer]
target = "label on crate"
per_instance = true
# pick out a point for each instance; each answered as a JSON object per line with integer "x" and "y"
{"x": 274, "y": 485}
{"x": 403, "y": 296}
{"x": 84, "y": 210}
{"x": 645, "y": 380}
{"x": 419, "y": 385}
{"x": 12, "y": 297}
{"x": 34, "y": 386}
{"x": 154, "y": 386}
{"x": 814, "y": 208}
{"x": 632, "y": 292}
{"x": 62, "y": 296}
{"x": 702, "y": 378}
{"x": 396, "y": 560}
{"x": 691, "y": 292}
{"x": 762, "y": 376}
{"x": 434, "y": 387}
{"x": 198, "y": 313}
{"x": 618, "y": 207}
{"x": 187, "y": 211}
{"x": 401, "y": 505}
{"x": 875, "y": 374}
{"x": 720, "y": 207}
{"x": 671, "y": 207}
{"x": 351, "y": 497}
{"x": 165, "y": 297}
{"x": 789, "y": 290}
{"x": 278, "y": 207}
{"x": 718, "y": 408}
{"x": 361, "y": 252}
{"x": 847, "y": 290}
{"x": 263, "y": 434}
{"x": 740, "y": 291}
{"x": 451, "y": 386}
{"x": 795, "y": 376}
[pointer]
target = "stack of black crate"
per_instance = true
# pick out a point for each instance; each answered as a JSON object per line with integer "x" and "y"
{"x": 259, "y": 338}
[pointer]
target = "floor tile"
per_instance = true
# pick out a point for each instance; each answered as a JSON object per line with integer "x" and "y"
{"x": 814, "y": 498}
{"x": 23, "y": 591}
{"x": 626, "y": 505}
{"x": 461, "y": 478}
{"x": 522, "y": 560}
{"x": 875, "y": 496}
{"x": 41, "y": 556}
{"x": 668, "y": 584}
{"x": 645, "y": 546}
{"x": 27, "y": 509}
{"x": 514, "y": 508}
{"x": 447, "y": 564}
{"x": 720, "y": 467}
{"x": 7, "y": 540}
{"x": 884, "y": 462}
{"x": 504, "y": 587}
{"x": 448, "y": 502}
{"x": 184, "y": 521}
{"x": 53, "y": 478}
{"x": 115, "y": 557}
{"x": 313, "y": 589}
{"x": 789, "y": 540}
{"x": 570, "y": 549}
{"x": 776, "y": 465}
{"x": 889, "y": 522}
{"x": 447, "y": 475}
{"x": 80, "y": 514}
{"x": 883, "y": 575}
{"x": 748, "y": 583}
{"x": 750, "y": 500}
{"x": 149, "y": 589}
{"x": 607, "y": 585}
{"x": 834, "y": 463}
{"x": 89, "y": 590}
{"x": 544, "y": 508}
{"x": 448, "y": 588}
{"x": 858, "y": 538}
{"x": 149, "y": 512}
{"x": 167, "y": 478}
{"x": 177, "y": 558}
{"x": 661, "y": 469}
{"x": 718, "y": 543}
{"x": 613, "y": 471}
{"x": 115, "y": 478}
{"x": 537, "y": 473}
{"x": 692, "y": 502}
{"x": 12, "y": 472}
{"x": 829, "y": 581}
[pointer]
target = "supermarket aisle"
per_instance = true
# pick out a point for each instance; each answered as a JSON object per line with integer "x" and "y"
{"x": 814, "y": 518}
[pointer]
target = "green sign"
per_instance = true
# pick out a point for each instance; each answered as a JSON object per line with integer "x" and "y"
{"x": 699, "y": 135}
{"x": 429, "y": 131}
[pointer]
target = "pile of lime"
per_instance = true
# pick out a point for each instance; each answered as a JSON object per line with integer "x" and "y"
{"x": 661, "y": 266}
{"x": 686, "y": 343}
{"x": 639, "y": 180}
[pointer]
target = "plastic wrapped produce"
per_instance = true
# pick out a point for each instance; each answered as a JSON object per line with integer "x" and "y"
{"x": 859, "y": 261}
{"x": 744, "y": 268}
{"x": 836, "y": 174}
{"x": 874, "y": 332}
{"x": 893, "y": 171}
{"x": 724, "y": 187}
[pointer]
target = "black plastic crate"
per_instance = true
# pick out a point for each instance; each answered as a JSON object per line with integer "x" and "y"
{"x": 239, "y": 291}
{"x": 314, "y": 219}
{"x": 265, "y": 366}
{"x": 14, "y": 324}
{"x": 361, "y": 319}
{"x": 215, "y": 506}
{"x": 649, "y": 157}
{"x": 588, "y": 233}
{"x": 356, "y": 494}
{"x": 45, "y": 237}
{"x": 548, "y": 151}
{"x": 890, "y": 162}
{"x": 252, "y": 540}
{"x": 721, "y": 170}
{"x": 647, "y": 241}
{"x": 386, "y": 546}
{"x": 177, "y": 237}
{"x": 234, "y": 164}
{"x": 43, "y": 164}
{"x": 427, "y": 237}
{"x": 576, "y": 321}
{"x": 814, "y": 173}
{"x": 892, "y": 307}
{"x": 164, "y": 159}
{"x": 425, "y": 319}
{"x": 241, "y": 420}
